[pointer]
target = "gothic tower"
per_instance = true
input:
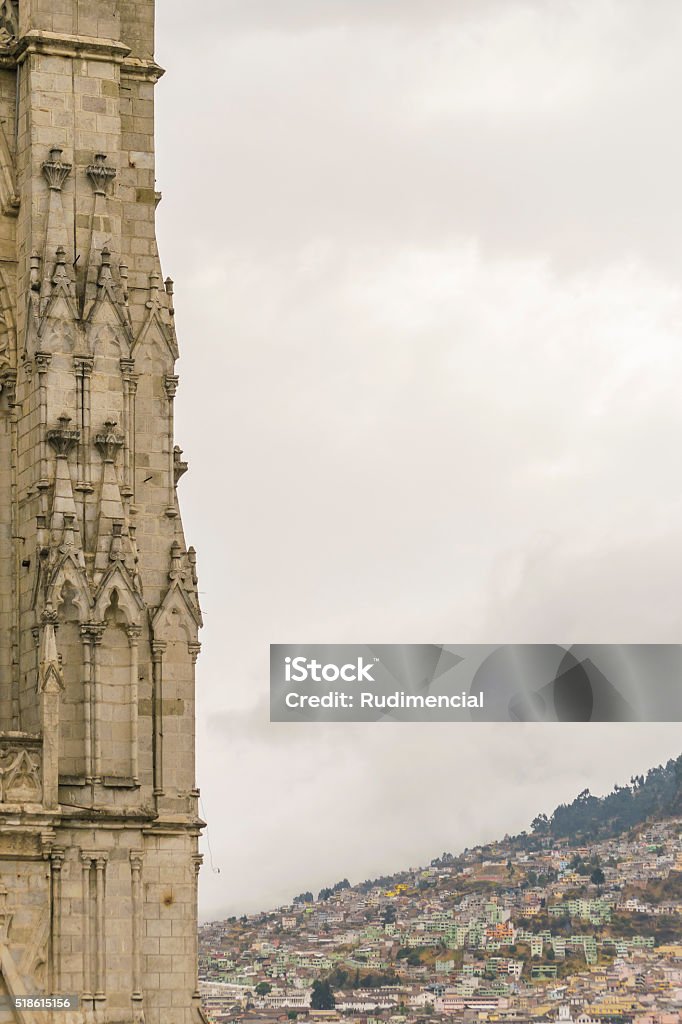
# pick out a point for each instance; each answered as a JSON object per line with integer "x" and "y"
{"x": 98, "y": 592}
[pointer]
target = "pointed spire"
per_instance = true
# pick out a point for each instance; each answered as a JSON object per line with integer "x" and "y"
{"x": 176, "y": 571}
{"x": 113, "y": 541}
{"x": 105, "y": 269}
{"x": 192, "y": 559}
{"x": 116, "y": 547}
{"x": 51, "y": 679}
{"x": 98, "y": 274}
{"x": 64, "y": 529}
{"x": 154, "y": 287}
{"x": 55, "y": 171}
{"x": 61, "y": 279}
{"x": 170, "y": 289}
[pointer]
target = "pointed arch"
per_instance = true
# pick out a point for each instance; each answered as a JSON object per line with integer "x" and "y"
{"x": 70, "y": 573}
{"x": 107, "y": 312}
{"x": 154, "y": 330}
{"x": 176, "y": 611}
{"x": 73, "y": 711}
{"x": 128, "y": 600}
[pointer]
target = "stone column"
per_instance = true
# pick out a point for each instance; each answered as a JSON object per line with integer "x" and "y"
{"x": 42, "y": 362}
{"x": 96, "y": 634}
{"x": 129, "y": 388}
{"x": 83, "y": 366}
{"x": 194, "y": 648}
{"x": 158, "y": 647}
{"x": 9, "y": 386}
{"x": 100, "y": 934}
{"x": 171, "y": 383}
{"x": 86, "y": 866}
{"x": 56, "y": 862}
{"x": 134, "y": 633}
{"x": 86, "y": 641}
{"x": 136, "y": 886}
{"x": 197, "y": 861}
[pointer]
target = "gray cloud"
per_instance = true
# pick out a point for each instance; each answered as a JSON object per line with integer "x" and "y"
{"x": 427, "y": 261}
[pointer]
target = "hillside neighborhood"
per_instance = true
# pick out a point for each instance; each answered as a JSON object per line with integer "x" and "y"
{"x": 535, "y": 927}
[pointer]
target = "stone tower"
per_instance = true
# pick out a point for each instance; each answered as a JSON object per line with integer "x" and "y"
{"x": 98, "y": 592}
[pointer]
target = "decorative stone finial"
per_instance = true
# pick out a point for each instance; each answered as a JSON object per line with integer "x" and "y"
{"x": 35, "y": 271}
{"x": 62, "y": 438}
{"x": 123, "y": 272}
{"x": 60, "y": 275}
{"x": 116, "y": 548}
{"x": 192, "y": 559}
{"x": 176, "y": 567}
{"x": 170, "y": 288}
{"x": 105, "y": 269}
{"x": 55, "y": 170}
{"x": 109, "y": 443}
{"x": 180, "y": 467}
{"x": 100, "y": 174}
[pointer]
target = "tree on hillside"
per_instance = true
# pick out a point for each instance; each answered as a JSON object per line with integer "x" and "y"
{"x": 322, "y": 997}
{"x": 597, "y": 877}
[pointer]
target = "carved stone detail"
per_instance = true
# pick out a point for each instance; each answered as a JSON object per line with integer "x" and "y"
{"x": 171, "y": 385}
{"x": 9, "y": 21}
{"x": 100, "y": 174}
{"x": 55, "y": 170}
{"x": 180, "y": 467}
{"x": 63, "y": 439}
{"x": 109, "y": 443}
{"x": 20, "y": 775}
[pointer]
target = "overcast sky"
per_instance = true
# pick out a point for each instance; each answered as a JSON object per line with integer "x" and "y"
{"x": 428, "y": 259}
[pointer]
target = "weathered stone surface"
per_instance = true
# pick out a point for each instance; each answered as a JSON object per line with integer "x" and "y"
{"x": 99, "y": 613}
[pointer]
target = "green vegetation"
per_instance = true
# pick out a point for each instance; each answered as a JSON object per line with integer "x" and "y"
{"x": 658, "y": 794}
{"x": 322, "y": 997}
{"x": 324, "y": 894}
{"x": 342, "y": 978}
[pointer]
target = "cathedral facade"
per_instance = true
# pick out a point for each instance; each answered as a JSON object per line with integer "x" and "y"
{"x": 99, "y": 613}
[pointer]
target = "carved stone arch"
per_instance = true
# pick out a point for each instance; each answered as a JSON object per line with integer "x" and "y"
{"x": 21, "y": 782}
{"x": 8, "y": 331}
{"x": 107, "y": 312}
{"x": 107, "y": 347}
{"x": 57, "y": 330}
{"x": 175, "y": 612}
{"x": 73, "y": 711}
{"x": 155, "y": 333}
{"x": 127, "y": 599}
{"x": 70, "y": 573}
{"x": 117, "y": 711}
{"x": 105, "y": 331}
{"x": 175, "y": 630}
